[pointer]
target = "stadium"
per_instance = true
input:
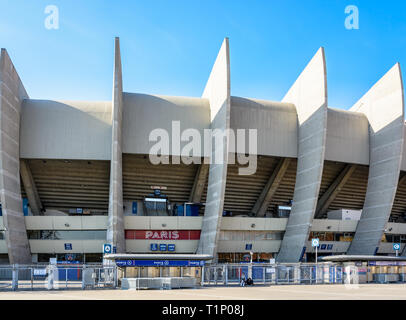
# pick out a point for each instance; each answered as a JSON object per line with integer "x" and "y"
{"x": 77, "y": 175}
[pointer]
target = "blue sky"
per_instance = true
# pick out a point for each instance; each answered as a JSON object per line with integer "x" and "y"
{"x": 168, "y": 47}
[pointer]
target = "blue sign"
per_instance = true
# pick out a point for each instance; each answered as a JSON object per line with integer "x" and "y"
{"x": 329, "y": 247}
{"x": 171, "y": 247}
{"x": 114, "y": 249}
{"x": 248, "y": 246}
{"x": 323, "y": 246}
{"x": 68, "y": 246}
{"x": 315, "y": 242}
{"x": 25, "y": 206}
{"x": 162, "y": 247}
{"x": 160, "y": 263}
{"x": 396, "y": 246}
{"x": 134, "y": 207}
{"x": 107, "y": 248}
{"x": 154, "y": 247}
{"x": 79, "y": 210}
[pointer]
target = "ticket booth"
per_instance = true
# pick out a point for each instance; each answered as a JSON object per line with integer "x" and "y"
{"x": 139, "y": 266}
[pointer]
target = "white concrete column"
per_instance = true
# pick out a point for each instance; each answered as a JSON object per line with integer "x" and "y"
{"x": 115, "y": 230}
{"x": 309, "y": 95}
{"x": 383, "y": 106}
{"x": 217, "y": 91}
{"x": 12, "y": 93}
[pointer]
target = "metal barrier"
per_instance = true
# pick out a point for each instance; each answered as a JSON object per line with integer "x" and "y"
{"x": 158, "y": 283}
{"x": 54, "y": 277}
{"x": 278, "y": 274}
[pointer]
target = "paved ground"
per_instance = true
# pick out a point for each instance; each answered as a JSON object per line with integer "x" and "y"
{"x": 281, "y": 292}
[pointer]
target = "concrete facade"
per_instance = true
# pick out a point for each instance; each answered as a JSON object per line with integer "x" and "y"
{"x": 115, "y": 230}
{"x": 80, "y": 154}
{"x": 12, "y": 93}
{"x": 309, "y": 95}
{"x": 217, "y": 91}
{"x": 383, "y": 106}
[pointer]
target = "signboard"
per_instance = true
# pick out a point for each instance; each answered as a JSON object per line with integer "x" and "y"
{"x": 162, "y": 263}
{"x": 107, "y": 248}
{"x": 396, "y": 246}
{"x": 171, "y": 247}
{"x": 248, "y": 246}
{"x": 162, "y": 247}
{"x": 68, "y": 246}
{"x": 154, "y": 247}
{"x": 315, "y": 242}
{"x": 162, "y": 234}
{"x": 52, "y": 261}
{"x": 79, "y": 210}
{"x": 40, "y": 272}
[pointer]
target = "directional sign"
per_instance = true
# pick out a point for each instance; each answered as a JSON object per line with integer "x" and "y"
{"x": 171, "y": 247}
{"x": 106, "y": 248}
{"x": 154, "y": 247}
{"x": 162, "y": 247}
{"x": 162, "y": 263}
{"x": 315, "y": 242}
{"x": 396, "y": 246}
{"x": 68, "y": 246}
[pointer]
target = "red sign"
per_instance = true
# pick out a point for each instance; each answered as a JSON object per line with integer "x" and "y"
{"x": 163, "y": 234}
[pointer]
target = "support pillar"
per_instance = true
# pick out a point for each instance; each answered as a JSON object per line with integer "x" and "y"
{"x": 12, "y": 94}
{"x": 309, "y": 95}
{"x": 383, "y": 106}
{"x": 115, "y": 229}
{"x": 217, "y": 91}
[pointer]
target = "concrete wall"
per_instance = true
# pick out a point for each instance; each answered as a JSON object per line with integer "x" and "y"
{"x": 347, "y": 137}
{"x": 115, "y": 228}
{"x": 383, "y": 106}
{"x": 58, "y": 246}
{"x": 309, "y": 95}
{"x": 217, "y": 91}
{"x": 12, "y": 93}
{"x": 276, "y": 123}
{"x": 65, "y": 129}
{"x": 143, "y": 113}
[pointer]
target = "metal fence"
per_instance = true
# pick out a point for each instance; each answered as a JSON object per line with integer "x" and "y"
{"x": 229, "y": 274}
{"x": 54, "y": 277}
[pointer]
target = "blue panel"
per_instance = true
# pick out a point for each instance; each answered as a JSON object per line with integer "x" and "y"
{"x": 171, "y": 247}
{"x": 154, "y": 247}
{"x": 180, "y": 210}
{"x": 162, "y": 247}
{"x": 248, "y": 246}
{"x": 257, "y": 273}
{"x": 134, "y": 208}
{"x": 68, "y": 246}
{"x": 25, "y": 206}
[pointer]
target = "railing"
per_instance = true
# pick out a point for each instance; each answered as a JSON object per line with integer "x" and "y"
{"x": 234, "y": 274}
{"x": 49, "y": 277}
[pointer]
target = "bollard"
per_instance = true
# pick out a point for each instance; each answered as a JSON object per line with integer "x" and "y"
{"x": 14, "y": 281}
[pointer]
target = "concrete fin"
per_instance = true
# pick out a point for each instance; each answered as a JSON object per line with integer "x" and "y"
{"x": 115, "y": 230}
{"x": 217, "y": 91}
{"x": 309, "y": 95}
{"x": 383, "y": 105}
